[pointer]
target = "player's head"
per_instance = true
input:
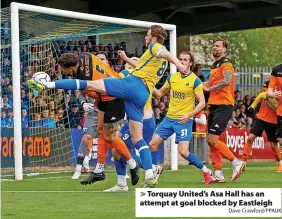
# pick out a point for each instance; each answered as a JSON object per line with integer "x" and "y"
{"x": 128, "y": 66}
{"x": 219, "y": 48}
{"x": 68, "y": 63}
{"x": 103, "y": 57}
{"x": 156, "y": 34}
{"x": 186, "y": 58}
{"x": 265, "y": 86}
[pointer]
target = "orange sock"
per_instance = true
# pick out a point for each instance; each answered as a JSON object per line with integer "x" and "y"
{"x": 103, "y": 148}
{"x": 246, "y": 152}
{"x": 224, "y": 150}
{"x": 121, "y": 148}
{"x": 216, "y": 158}
{"x": 89, "y": 147}
{"x": 277, "y": 153}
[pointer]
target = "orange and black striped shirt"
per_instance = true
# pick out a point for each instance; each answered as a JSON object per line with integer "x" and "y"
{"x": 225, "y": 95}
{"x": 91, "y": 69}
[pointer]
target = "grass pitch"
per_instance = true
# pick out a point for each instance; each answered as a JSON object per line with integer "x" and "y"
{"x": 56, "y": 196}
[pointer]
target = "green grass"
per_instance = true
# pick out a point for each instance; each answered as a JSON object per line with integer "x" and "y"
{"x": 86, "y": 202}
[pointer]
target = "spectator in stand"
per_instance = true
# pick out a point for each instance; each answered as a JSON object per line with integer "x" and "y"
{"x": 36, "y": 122}
{"x": 198, "y": 72}
{"x": 10, "y": 119}
{"x": 237, "y": 97}
{"x": 60, "y": 118}
{"x": 75, "y": 117}
{"x": 162, "y": 109}
{"x": 249, "y": 122}
{"x": 25, "y": 119}
{"x": 242, "y": 112}
{"x": 155, "y": 103}
{"x": 157, "y": 113}
{"x": 3, "y": 119}
{"x": 48, "y": 122}
{"x": 247, "y": 101}
{"x": 6, "y": 101}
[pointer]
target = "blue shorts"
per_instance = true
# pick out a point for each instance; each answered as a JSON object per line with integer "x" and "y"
{"x": 149, "y": 126}
{"x": 169, "y": 126}
{"x": 134, "y": 93}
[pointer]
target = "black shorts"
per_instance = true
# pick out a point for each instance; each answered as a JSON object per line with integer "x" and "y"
{"x": 270, "y": 129}
{"x": 114, "y": 110}
{"x": 219, "y": 116}
{"x": 279, "y": 127}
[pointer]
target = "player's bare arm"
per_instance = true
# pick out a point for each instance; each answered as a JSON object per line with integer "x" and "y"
{"x": 161, "y": 92}
{"x": 227, "y": 77}
{"x": 124, "y": 57}
{"x": 165, "y": 54}
{"x": 198, "y": 108}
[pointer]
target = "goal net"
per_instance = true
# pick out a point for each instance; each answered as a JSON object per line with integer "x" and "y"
{"x": 37, "y": 130}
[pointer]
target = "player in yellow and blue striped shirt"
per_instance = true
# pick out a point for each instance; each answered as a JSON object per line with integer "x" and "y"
{"x": 134, "y": 90}
{"x": 184, "y": 90}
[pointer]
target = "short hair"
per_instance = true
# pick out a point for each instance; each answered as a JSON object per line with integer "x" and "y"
{"x": 159, "y": 32}
{"x": 103, "y": 53}
{"x": 224, "y": 42}
{"x": 68, "y": 60}
{"x": 192, "y": 59}
{"x": 266, "y": 84}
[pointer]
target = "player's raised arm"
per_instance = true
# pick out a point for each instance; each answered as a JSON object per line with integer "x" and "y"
{"x": 131, "y": 61}
{"x": 162, "y": 52}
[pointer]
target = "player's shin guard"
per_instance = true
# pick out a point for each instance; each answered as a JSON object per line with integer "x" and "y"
{"x": 71, "y": 84}
{"x": 246, "y": 152}
{"x": 224, "y": 150}
{"x": 146, "y": 158}
{"x": 155, "y": 157}
{"x": 194, "y": 160}
{"x": 120, "y": 166}
{"x": 216, "y": 158}
{"x": 277, "y": 153}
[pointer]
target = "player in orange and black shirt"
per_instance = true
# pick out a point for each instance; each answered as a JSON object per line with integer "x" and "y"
{"x": 274, "y": 91}
{"x": 266, "y": 120}
{"x": 221, "y": 103}
{"x": 111, "y": 110}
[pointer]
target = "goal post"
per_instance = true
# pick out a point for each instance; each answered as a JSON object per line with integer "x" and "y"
{"x": 15, "y": 9}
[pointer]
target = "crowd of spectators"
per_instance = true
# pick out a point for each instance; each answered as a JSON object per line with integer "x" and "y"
{"x": 56, "y": 108}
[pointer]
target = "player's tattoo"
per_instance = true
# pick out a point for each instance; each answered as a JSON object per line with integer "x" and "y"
{"x": 227, "y": 76}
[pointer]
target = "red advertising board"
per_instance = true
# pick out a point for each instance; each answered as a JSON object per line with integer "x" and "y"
{"x": 235, "y": 139}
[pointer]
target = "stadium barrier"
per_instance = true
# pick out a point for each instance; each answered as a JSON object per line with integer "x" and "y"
{"x": 42, "y": 149}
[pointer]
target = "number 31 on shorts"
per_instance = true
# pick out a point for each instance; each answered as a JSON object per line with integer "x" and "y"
{"x": 184, "y": 132}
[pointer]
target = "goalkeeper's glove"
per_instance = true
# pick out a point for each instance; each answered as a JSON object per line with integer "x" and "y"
{"x": 87, "y": 107}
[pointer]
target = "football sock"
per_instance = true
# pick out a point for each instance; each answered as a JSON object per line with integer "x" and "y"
{"x": 224, "y": 150}
{"x": 216, "y": 158}
{"x": 103, "y": 148}
{"x": 122, "y": 180}
{"x": 68, "y": 84}
{"x": 277, "y": 153}
{"x": 146, "y": 158}
{"x": 120, "y": 166}
{"x": 246, "y": 152}
{"x": 155, "y": 157}
{"x": 99, "y": 168}
{"x": 194, "y": 160}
